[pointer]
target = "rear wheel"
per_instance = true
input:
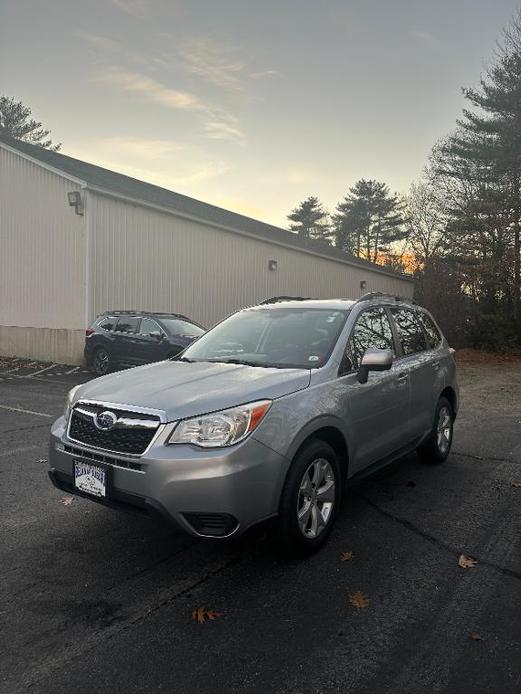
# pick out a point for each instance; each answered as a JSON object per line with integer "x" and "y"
{"x": 101, "y": 362}
{"x": 437, "y": 447}
{"x": 310, "y": 498}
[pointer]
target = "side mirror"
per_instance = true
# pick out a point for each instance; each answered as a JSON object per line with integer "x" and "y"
{"x": 374, "y": 360}
{"x": 155, "y": 333}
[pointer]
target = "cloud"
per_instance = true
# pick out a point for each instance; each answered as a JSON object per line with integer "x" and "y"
{"x": 213, "y": 63}
{"x": 218, "y": 65}
{"x": 152, "y": 89}
{"x": 151, "y": 160}
{"x": 134, "y": 7}
{"x": 141, "y": 148}
{"x": 224, "y": 130}
{"x": 217, "y": 123}
{"x": 426, "y": 38}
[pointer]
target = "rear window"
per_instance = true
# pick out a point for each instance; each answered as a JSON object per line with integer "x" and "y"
{"x": 178, "y": 326}
{"x": 432, "y": 332}
{"x": 106, "y": 323}
{"x": 127, "y": 324}
{"x": 410, "y": 332}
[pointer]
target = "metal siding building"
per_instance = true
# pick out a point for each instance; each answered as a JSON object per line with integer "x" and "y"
{"x": 138, "y": 246}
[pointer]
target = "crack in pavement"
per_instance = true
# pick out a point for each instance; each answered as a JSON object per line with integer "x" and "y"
{"x": 107, "y": 633}
{"x": 479, "y": 457}
{"x": 435, "y": 540}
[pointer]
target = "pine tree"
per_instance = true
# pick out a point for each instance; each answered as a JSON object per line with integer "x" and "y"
{"x": 15, "y": 122}
{"x": 310, "y": 220}
{"x": 484, "y": 157}
{"x": 369, "y": 220}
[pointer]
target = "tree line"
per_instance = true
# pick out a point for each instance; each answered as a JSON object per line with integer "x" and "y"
{"x": 459, "y": 226}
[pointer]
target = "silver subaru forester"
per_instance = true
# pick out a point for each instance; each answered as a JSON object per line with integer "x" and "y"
{"x": 267, "y": 414}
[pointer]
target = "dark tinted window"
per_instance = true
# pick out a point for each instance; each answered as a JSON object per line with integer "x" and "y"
{"x": 149, "y": 326}
{"x": 433, "y": 334}
{"x": 409, "y": 330}
{"x": 106, "y": 323}
{"x": 178, "y": 326}
{"x": 127, "y": 324}
{"x": 372, "y": 329}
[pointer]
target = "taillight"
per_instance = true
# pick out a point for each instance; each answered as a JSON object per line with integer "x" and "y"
{"x": 89, "y": 332}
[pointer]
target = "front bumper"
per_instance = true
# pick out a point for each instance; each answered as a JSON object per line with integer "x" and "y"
{"x": 207, "y": 493}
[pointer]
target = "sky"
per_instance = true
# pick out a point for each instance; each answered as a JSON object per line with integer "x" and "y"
{"x": 252, "y": 105}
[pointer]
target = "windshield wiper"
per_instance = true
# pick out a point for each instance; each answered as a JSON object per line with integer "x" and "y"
{"x": 189, "y": 361}
{"x": 245, "y": 362}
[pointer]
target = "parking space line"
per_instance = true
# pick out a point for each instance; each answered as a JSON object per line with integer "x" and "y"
{"x": 76, "y": 368}
{"x": 36, "y": 373}
{"x": 19, "y": 409}
{"x": 14, "y": 451}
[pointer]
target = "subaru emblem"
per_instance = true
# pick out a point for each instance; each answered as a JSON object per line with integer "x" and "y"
{"x": 105, "y": 421}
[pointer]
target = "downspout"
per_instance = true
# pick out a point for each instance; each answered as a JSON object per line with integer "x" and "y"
{"x": 89, "y": 258}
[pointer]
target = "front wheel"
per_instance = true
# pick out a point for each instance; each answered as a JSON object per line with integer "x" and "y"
{"x": 437, "y": 447}
{"x": 310, "y": 498}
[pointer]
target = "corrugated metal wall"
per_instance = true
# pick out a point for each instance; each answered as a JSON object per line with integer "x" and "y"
{"x": 149, "y": 260}
{"x": 42, "y": 248}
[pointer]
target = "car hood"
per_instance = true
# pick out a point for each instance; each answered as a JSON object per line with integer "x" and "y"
{"x": 183, "y": 389}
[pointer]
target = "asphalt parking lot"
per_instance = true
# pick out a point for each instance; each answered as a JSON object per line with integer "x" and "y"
{"x": 95, "y": 600}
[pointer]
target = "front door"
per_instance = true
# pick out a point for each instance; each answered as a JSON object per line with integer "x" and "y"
{"x": 377, "y": 411}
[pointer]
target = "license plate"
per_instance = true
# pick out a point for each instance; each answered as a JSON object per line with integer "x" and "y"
{"x": 89, "y": 478}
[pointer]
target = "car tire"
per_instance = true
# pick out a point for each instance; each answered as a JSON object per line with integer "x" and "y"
{"x": 101, "y": 362}
{"x": 436, "y": 448}
{"x": 310, "y": 498}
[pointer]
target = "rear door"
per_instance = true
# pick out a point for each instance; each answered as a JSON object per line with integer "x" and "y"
{"x": 377, "y": 410}
{"x": 420, "y": 363}
{"x": 125, "y": 339}
{"x": 151, "y": 341}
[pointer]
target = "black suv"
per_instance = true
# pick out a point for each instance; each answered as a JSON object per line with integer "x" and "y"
{"x": 128, "y": 338}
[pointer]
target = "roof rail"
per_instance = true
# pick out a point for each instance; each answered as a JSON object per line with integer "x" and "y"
{"x": 375, "y": 295}
{"x": 129, "y": 312}
{"x": 276, "y": 299}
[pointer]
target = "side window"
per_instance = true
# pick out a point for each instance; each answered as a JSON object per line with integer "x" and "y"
{"x": 433, "y": 334}
{"x": 372, "y": 329}
{"x": 149, "y": 326}
{"x": 107, "y": 323}
{"x": 127, "y": 324}
{"x": 410, "y": 333}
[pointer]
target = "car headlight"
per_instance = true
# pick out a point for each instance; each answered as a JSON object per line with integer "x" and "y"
{"x": 68, "y": 402}
{"x": 222, "y": 428}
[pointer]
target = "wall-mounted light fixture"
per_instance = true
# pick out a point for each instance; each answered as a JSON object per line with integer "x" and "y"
{"x": 75, "y": 200}
{"x": 363, "y": 284}
{"x": 272, "y": 265}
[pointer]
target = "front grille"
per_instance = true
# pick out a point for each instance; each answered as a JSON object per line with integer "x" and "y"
{"x": 132, "y": 433}
{"x": 100, "y": 458}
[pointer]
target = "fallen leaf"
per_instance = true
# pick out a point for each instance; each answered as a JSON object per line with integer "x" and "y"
{"x": 517, "y": 483}
{"x": 202, "y": 614}
{"x": 359, "y": 600}
{"x": 474, "y": 637}
{"x": 67, "y": 500}
{"x": 466, "y": 562}
{"x": 346, "y": 556}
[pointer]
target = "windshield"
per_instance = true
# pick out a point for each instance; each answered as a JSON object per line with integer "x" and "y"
{"x": 301, "y": 338}
{"x": 177, "y": 326}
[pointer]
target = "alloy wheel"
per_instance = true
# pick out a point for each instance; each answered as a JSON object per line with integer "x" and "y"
{"x": 316, "y": 498}
{"x": 444, "y": 429}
